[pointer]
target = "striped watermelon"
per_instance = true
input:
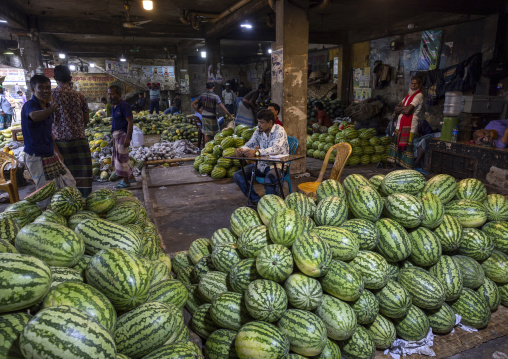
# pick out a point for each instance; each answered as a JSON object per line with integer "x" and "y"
{"x": 404, "y": 209}
{"x": 266, "y": 300}
{"x": 8, "y": 229}
{"x": 503, "y": 292}
{"x": 330, "y": 351}
{"x": 414, "y": 326}
{"x": 330, "y": 187}
{"x": 123, "y": 214}
{"x": 100, "y": 234}
{"x": 199, "y": 248}
{"x": 449, "y": 233}
{"x": 375, "y": 181}
{"x": 433, "y": 211}
{"x": 312, "y": 255}
{"x": 31, "y": 210}
{"x": 469, "y": 213}
{"x": 194, "y": 299}
{"x": 19, "y": 217}
{"x": 365, "y": 203}
{"x": 275, "y": 262}
{"x": 7, "y": 247}
{"x": 169, "y": 291}
{"x": 496, "y": 267}
{"x": 79, "y": 217}
{"x": 372, "y": 267}
{"x": 332, "y": 211}
{"x": 61, "y": 275}
{"x": 475, "y": 244}
{"x": 303, "y": 292}
{"x": 123, "y": 277}
{"x": 242, "y": 274}
{"x": 394, "y": 242}
{"x": 359, "y": 345}
{"x": 366, "y": 307}
{"x": 181, "y": 260}
{"x": 160, "y": 272}
{"x": 261, "y": 340}
{"x": 496, "y": 207}
{"x": 426, "y": 247}
{"x": 85, "y": 298}
{"x": 221, "y": 344}
{"x": 177, "y": 350}
{"x": 344, "y": 245}
{"x": 338, "y": 317}
{"x": 393, "y": 271}
{"x": 343, "y": 281}
{"x": 203, "y": 266}
{"x": 82, "y": 263}
{"x": 66, "y": 201}
{"x": 472, "y": 272}
{"x": 213, "y": 284}
{"x": 426, "y": 291}
{"x": 145, "y": 328}
{"x": 243, "y": 218}
{"x": 223, "y": 236}
{"x": 268, "y": 205}
{"x": 490, "y": 293}
{"x": 285, "y": 226}
{"x": 101, "y": 201}
{"x": 354, "y": 181}
{"x": 308, "y": 224}
{"x": 228, "y": 311}
{"x": 442, "y": 185}
{"x": 305, "y": 331}
{"x": 366, "y": 231}
{"x": 301, "y": 203}
{"x": 382, "y": 332}
{"x": 50, "y": 329}
{"x": 53, "y": 243}
{"x": 52, "y": 217}
{"x": 448, "y": 272}
{"x": 253, "y": 240}
{"x": 441, "y": 320}
{"x": 187, "y": 276}
{"x": 473, "y": 308}
{"x": 403, "y": 181}
{"x": 498, "y": 232}
{"x": 394, "y": 300}
{"x": 42, "y": 193}
{"x": 11, "y": 327}
{"x": 180, "y": 333}
{"x": 472, "y": 189}
{"x": 225, "y": 256}
{"x": 202, "y": 323}
{"x": 151, "y": 246}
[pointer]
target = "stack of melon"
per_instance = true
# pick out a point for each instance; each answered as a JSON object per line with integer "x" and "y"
{"x": 87, "y": 279}
{"x": 367, "y": 147}
{"x": 369, "y": 261}
{"x": 212, "y": 161}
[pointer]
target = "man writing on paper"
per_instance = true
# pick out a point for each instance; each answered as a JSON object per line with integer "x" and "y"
{"x": 268, "y": 139}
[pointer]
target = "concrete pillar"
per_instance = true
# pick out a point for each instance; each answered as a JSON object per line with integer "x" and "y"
{"x": 344, "y": 78}
{"x": 290, "y": 90}
{"x": 213, "y": 62}
{"x": 31, "y": 58}
{"x": 182, "y": 74}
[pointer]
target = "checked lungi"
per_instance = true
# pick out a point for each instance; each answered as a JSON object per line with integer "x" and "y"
{"x": 78, "y": 160}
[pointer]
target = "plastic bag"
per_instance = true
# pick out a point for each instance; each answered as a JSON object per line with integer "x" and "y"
{"x": 137, "y": 137}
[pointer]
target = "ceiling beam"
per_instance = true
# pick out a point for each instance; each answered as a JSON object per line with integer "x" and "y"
{"x": 471, "y": 7}
{"x": 16, "y": 18}
{"x": 105, "y": 50}
{"x": 253, "y": 35}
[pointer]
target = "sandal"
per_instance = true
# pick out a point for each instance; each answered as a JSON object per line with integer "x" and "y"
{"x": 122, "y": 184}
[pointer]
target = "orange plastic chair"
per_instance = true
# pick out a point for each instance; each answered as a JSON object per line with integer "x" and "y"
{"x": 343, "y": 153}
{"x": 9, "y": 185}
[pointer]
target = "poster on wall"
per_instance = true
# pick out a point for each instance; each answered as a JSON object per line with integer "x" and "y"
{"x": 361, "y": 84}
{"x": 94, "y": 86}
{"x": 117, "y": 68}
{"x": 429, "y": 49}
{"x": 277, "y": 66}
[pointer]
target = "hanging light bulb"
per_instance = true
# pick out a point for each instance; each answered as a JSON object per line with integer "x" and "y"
{"x": 269, "y": 51}
{"x": 91, "y": 64}
{"x": 61, "y": 55}
{"x": 72, "y": 67}
{"x": 147, "y": 4}
{"x": 203, "y": 54}
{"x": 122, "y": 58}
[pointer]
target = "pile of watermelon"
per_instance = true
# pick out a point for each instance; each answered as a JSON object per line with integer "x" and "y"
{"x": 87, "y": 279}
{"x": 365, "y": 263}
{"x": 367, "y": 147}
{"x": 212, "y": 161}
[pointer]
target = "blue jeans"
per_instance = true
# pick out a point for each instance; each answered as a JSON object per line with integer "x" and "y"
{"x": 5, "y": 121}
{"x": 154, "y": 105}
{"x": 237, "y": 101}
{"x": 171, "y": 110}
{"x": 271, "y": 186}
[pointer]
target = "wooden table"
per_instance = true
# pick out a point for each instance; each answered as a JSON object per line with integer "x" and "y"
{"x": 280, "y": 179}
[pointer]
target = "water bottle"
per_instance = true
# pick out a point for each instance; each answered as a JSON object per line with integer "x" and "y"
{"x": 455, "y": 132}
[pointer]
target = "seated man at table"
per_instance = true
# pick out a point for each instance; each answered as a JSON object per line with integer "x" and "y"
{"x": 268, "y": 139}
{"x": 496, "y": 131}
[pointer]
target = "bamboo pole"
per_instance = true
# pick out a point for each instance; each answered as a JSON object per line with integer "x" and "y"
{"x": 170, "y": 160}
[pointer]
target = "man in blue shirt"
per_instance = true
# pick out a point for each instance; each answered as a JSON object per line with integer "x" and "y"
{"x": 44, "y": 162}
{"x": 155, "y": 96}
{"x": 122, "y": 134}
{"x": 6, "y": 110}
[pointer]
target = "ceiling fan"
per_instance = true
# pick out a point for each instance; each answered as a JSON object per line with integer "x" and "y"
{"x": 132, "y": 24}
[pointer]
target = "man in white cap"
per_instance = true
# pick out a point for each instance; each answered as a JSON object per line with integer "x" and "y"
{"x": 229, "y": 98}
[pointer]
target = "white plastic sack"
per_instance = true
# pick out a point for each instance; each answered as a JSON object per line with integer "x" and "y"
{"x": 137, "y": 137}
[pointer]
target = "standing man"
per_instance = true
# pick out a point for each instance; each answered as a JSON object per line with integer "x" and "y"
{"x": 242, "y": 91}
{"x": 275, "y": 108}
{"x": 69, "y": 130}
{"x": 210, "y": 101}
{"x": 140, "y": 103}
{"x": 23, "y": 97}
{"x": 249, "y": 105}
{"x": 229, "y": 98}
{"x": 108, "y": 106}
{"x": 155, "y": 95}
{"x": 6, "y": 110}
{"x": 122, "y": 134}
{"x": 43, "y": 161}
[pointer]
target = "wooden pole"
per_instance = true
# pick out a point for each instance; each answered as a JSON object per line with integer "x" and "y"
{"x": 170, "y": 160}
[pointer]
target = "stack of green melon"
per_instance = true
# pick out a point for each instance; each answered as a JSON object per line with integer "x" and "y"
{"x": 87, "y": 279}
{"x": 212, "y": 161}
{"x": 369, "y": 261}
{"x": 367, "y": 147}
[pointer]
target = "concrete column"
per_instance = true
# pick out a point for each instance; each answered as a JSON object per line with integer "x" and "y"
{"x": 344, "y": 78}
{"x": 290, "y": 92}
{"x": 182, "y": 73}
{"x": 31, "y": 58}
{"x": 213, "y": 61}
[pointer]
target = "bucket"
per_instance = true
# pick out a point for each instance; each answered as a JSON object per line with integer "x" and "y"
{"x": 453, "y": 103}
{"x": 449, "y": 124}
